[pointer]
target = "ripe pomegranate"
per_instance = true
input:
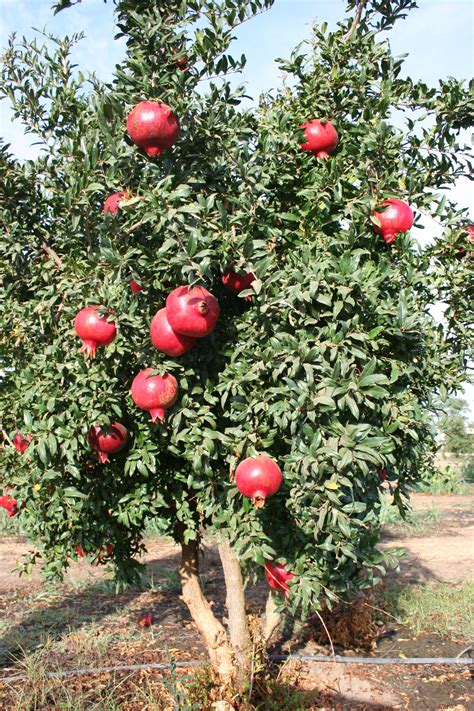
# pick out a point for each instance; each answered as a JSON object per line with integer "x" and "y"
{"x": 100, "y": 556}
{"x": 238, "y": 282}
{"x": 145, "y": 620}
{"x": 397, "y": 217}
{"x": 20, "y": 442}
{"x": 108, "y": 439}
{"x": 321, "y": 138}
{"x": 277, "y": 576}
{"x": 8, "y": 503}
{"x": 258, "y": 478}
{"x": 94, "y": 330}
{"x": 153, "y": 127}
{"x": 470, "y": 233}
{"x": 382, "y": 474}
{"x": 135, "y": 287}
{"x": 166, "y": 340}
{"x": 192, "y": 311}
{"x": 114, "y": 202}
{"x": 155, "y": 393}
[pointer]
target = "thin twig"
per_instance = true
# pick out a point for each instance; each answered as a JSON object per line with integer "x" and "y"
{"x": 327, "y": 632}
{"x": 356, "y": 20}
{"x": 51, "y": 253}
{"x": 7, "y": 438}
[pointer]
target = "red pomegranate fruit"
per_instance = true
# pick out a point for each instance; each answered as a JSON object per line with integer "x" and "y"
{"x": 470, "y": 233}
{"x": 153, "y": 127}
{"x": 382, "y": 474}
{"x": 258, "y": 478}
{"x": 166, "y": 340}
{"x": 145, "y": 620}
{"x": 94, "y": 330}
{"x": 135, "y": 287}
{"x": 99, "y": 556}
{"x": 277, "y": 576}
{"x": 321, "y": 138}
{"x": 107, "y": 439}
{"x": 192, "y": 311}
{"x": 8, "y": 503}
{"x": 114, "y": 202}
{"x": 397, "y": 217}
{"x": 155, "y": 393}
{"x": 238, "y": 282}
{"x": 20, "y": 442}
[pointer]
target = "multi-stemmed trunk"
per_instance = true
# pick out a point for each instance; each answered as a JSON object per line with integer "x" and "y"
{"x": 229, "y": 647}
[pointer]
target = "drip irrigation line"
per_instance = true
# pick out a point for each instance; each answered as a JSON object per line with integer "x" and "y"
{"x": 375, "y": 660}
{"x": 434, "y": 661}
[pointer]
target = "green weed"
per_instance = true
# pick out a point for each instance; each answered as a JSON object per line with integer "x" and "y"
{"x": 441, "y": 608}
{"x": 412, "y": 521}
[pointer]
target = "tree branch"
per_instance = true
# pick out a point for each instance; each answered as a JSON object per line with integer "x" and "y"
{"x": 272, "y": 617}
{"x": 211, "y": 630}
{"x": 356, "y": 20}
{"x": 238, "y": 626}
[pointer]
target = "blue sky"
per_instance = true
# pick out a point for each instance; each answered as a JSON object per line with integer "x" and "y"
{"x": 438, "y": 37}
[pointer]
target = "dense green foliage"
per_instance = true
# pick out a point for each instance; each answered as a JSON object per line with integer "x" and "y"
{"x": 330, "y": 368}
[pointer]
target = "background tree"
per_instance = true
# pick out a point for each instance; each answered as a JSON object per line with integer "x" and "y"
{"x": 327, "y": 363}
{"x": 455, "y": 426}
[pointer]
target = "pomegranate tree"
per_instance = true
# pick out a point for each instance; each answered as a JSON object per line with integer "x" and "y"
{"x": 107, "y": 439}
{"x": 321, "y": 138}
{"x": 153, "y": 127}
{"x": 93, "y": 329}
{"x": 397, "y": 217}
{"x": 166, "y": 340}
{"x": 155, "y": 393}
{"x": 192, "y": 311}
{"x": 330, "y": 371}
{"x": 258, "y": 478}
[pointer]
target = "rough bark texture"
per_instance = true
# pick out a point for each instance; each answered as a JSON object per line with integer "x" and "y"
{"x": 211, "y": 630}
{"x": 272, "y": 617}
{"x": 238, "y": 625}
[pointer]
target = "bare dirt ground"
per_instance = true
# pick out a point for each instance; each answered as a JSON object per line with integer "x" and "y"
{"x": 444, "y": 551}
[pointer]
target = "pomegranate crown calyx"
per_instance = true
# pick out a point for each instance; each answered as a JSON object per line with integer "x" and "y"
{"x": 203, "y": 308}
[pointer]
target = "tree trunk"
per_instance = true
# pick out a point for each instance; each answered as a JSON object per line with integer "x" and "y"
{"x": 211, "y": 630}
{"x": 272, "y": 617}
{"x": 238, "y": 625}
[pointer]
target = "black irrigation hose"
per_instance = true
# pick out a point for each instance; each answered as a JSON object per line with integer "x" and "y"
{"x": 277, "y": 657}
